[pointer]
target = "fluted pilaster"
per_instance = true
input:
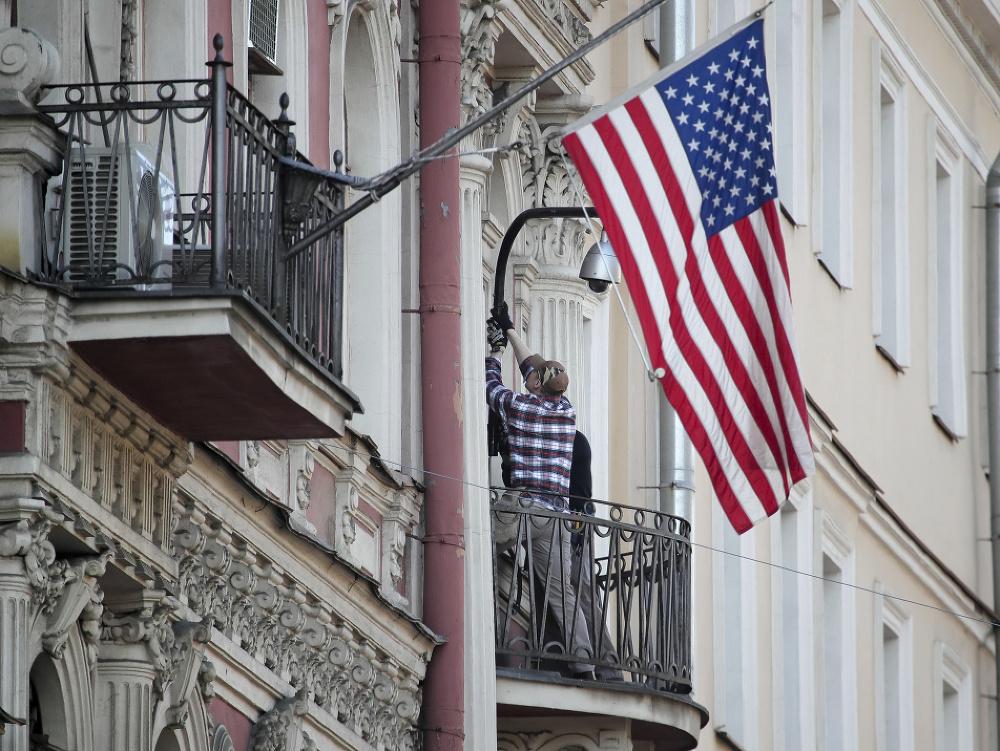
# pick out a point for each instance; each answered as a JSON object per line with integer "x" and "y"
{"x": 15, "y": 613}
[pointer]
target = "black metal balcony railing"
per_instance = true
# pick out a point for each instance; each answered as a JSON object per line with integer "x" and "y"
{"x": 185, "y": 188}
{"x": 629, "y": 575}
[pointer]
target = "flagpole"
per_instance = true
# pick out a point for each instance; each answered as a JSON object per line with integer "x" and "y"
{"x": 676, "y": 465}
{"x": 388, "y": 181}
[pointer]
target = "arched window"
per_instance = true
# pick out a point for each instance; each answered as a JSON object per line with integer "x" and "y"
{"x": 373, "y": 238}
{"x": 47, "y": 727}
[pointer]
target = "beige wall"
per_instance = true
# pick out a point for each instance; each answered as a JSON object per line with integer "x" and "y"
{"x": 884, "y": 431}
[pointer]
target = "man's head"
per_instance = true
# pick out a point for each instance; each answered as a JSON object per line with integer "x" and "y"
{"x": 545, "y": 377}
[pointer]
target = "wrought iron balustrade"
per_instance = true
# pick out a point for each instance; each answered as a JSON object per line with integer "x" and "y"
{"x": 629, "y": 579}
{"x": 185, "y": 188}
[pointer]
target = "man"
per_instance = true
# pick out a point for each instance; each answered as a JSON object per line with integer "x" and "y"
{"x": 541, "y": 428}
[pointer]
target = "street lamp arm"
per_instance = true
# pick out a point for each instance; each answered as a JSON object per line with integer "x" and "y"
{"x": 541, "y": 212}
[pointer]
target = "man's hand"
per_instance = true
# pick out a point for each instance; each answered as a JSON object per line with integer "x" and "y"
{"x": 502, "y": 317}
{"x": 496, "y": 339}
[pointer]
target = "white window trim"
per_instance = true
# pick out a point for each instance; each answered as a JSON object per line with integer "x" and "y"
{"x": 805, "y": 686}
{"x": 748, "y": 739}
{"x": 949, "y": 409}
{"x": 891, "y": 337}
{"x": 890, "y": 613}
{"x": 949, "y": 668}
{"x": 717, "y": 15}
{"x": 839, "y": 259}
{"x": 837, "y": 546}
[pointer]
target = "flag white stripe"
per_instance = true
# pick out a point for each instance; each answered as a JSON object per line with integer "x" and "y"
{"x": 701, "y": 404}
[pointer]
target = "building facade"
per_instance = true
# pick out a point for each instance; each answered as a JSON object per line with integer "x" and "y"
{"x": 211, "y": 420}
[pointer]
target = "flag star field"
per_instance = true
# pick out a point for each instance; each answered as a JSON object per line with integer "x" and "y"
{"x": 721, "y": 110}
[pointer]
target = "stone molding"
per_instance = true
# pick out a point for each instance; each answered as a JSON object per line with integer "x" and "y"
{"x": 303, "y": 640}
{"x": 363, "y": 482}
{"x": 573, "y": 30}
{"x": 110, "y": 452}
{"x": 221, "y": 741}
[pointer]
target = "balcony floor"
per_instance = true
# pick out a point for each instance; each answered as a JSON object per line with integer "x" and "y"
{"x": 672, "y": 722}
{"x": 209, "y": 368}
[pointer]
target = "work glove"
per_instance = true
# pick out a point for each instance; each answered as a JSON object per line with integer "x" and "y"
{"x": 496, "y": 339}
{"x": 502, "y": 317}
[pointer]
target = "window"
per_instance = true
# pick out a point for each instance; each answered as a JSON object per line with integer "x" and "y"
{"x": 790, "y": 106}
{"x": 373, "y": 283}
{"x": 893, "y": 675}
{"x": 945, "y": 306}
{"x": 833, "y": 238}
{"x": 952, "y": 701}
{"x": 736, "y": 650}
{"x": 890, "y": 272}
{"x": 839, "y": 639}
{"x": 727, "y": 12}
{"x": 792, "y": 636}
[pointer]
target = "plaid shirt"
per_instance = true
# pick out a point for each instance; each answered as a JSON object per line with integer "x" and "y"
{"x": 540, "y": 431}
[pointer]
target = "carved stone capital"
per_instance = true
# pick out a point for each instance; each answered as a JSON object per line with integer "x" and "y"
{"x": 150, "y": 626}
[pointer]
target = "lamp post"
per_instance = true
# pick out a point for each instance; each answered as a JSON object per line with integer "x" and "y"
{"x": 600, "y": 268}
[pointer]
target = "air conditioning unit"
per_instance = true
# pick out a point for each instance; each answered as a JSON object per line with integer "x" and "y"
{"x": 262, "y": 37}
{"x": 118, "y": 220}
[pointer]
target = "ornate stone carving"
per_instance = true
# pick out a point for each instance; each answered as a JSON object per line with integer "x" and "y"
{"x": 271, "y": 731}
{"x": 130, "y": 32}
{"x": 303, "y": 464}
{"x": 27, "y": 62}
{"x": 480, "y": 29}
{"x": 253, "y": 459}
{"x": 71, "y": 595}
{"x": 30, "y": 540}
{"x": 303, "y": 491}
{"x": 560, "y": 17}
{"x": 546, "y": 182}
{"x": 279, "y": 623}
{"x": 335, "y": 12}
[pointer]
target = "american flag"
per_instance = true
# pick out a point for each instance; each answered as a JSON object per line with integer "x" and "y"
{"x": 681, "y": 171}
